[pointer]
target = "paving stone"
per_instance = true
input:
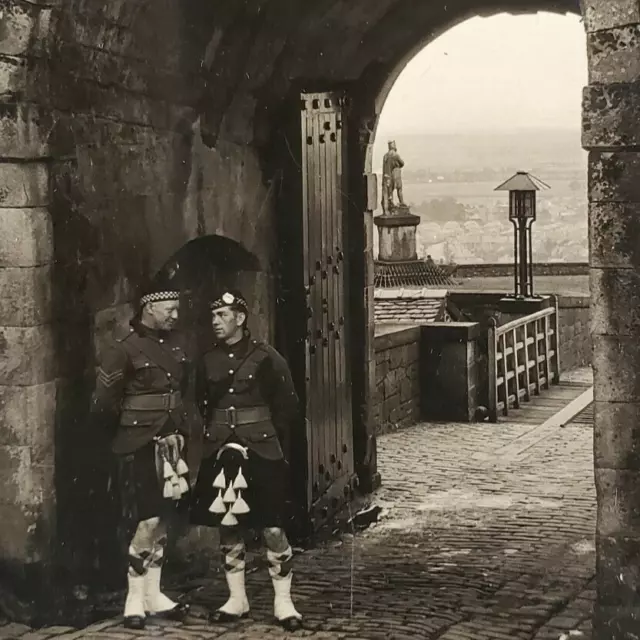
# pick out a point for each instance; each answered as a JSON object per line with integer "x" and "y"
{"x": 13, "y": 630}
{"x": 58, "y": 631}
{"x": 471, "y": 544}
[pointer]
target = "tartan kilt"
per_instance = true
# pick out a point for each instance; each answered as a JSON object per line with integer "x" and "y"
{"x": 140, "y": 491}
{"x": 267, "y": 494}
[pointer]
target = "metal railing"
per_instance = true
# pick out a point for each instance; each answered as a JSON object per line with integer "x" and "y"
{"x": 523, "y": 360}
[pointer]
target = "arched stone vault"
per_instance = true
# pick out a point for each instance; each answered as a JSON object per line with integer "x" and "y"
{"x": 129, "y": 127}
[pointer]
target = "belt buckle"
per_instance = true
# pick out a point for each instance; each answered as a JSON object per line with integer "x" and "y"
{"x": 172, "y": 399}
{"x": 232, "y": 417}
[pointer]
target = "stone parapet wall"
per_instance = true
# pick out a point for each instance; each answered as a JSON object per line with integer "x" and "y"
{"x": 439, "y": 371}
{"x": 430, "y": 372}
{"x": 501, "y": 270}
{"x": 397, "y": 401}
{"x": 573, "y": 319}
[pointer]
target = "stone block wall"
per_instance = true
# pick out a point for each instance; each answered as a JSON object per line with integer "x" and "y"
{"x": 28, "y": 349}
{"x": 105, "y": 174}
{"x": 612, "y": 137}
{"x": 574, "y": 328}
{"x": 397, "y": 402}
{"x": 132, "y": 181}
{"x": 429, "y": 372}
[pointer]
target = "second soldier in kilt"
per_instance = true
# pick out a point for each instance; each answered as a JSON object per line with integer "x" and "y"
{"x": 250, "y": 406}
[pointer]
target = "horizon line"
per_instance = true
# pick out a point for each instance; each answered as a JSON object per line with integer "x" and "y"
{"x": 484, "y": 130}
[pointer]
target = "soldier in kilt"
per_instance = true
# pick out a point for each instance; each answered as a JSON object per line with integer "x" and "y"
{"x": 249, "y": 405}
{"x": 142, "y": 387}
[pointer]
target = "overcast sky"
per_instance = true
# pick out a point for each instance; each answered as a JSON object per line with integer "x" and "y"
{"x": 498, "y": 73}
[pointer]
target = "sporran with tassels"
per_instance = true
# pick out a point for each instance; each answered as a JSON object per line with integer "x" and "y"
{"x": 229, "y": 503}
{"x": 153, "y": 482}
{"x": 171, "y": 468}
{"x": 237, "y": 487}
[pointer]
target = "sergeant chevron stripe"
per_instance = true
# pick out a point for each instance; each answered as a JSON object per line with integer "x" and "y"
{"x": 109, "y": 379}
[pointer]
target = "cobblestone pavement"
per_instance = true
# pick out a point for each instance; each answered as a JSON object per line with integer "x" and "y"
{"x": 479, "y": 539}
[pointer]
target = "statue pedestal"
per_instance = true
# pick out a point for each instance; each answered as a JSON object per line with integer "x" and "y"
{"x": 397, "y": 234}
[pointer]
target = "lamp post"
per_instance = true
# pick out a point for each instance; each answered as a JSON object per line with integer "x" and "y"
{"x": 522, "y": 189}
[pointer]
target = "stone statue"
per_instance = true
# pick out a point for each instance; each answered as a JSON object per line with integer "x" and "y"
{"x": 392, "y": 165}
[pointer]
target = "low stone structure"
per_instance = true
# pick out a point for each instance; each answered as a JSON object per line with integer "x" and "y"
{"x": 397, "y": 401}
{"x": 575, "y": 338}
{"x": 439, "y": 370}
{"x": 452, "y": 365}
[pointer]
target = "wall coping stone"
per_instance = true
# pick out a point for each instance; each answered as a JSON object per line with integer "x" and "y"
{"x": 446, "y": 331}
{"x": 473, "y": 295}
{"x": 452, "y": 331}
{"x": 505, "y": 269}
{"x": 574, "y": 302}
{"x": 401, "y": 337}
{"x": 525, "y": 306}
{"x": 502, "y": 300}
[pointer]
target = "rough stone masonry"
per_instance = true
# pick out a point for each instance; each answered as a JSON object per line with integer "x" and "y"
{"x": 129, "y": 128}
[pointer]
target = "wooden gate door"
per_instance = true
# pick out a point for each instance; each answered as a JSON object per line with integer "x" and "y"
{"x": 319, "y": 244}
{"x": 329, "y": 411}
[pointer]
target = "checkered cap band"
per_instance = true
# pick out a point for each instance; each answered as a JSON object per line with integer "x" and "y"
{"x": 228, "y": 299}
{"x": 160, "y": 296}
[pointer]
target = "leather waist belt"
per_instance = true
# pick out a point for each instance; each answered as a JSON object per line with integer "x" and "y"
{"x": 153, "y": 402}
{"x": 247, "y": 415}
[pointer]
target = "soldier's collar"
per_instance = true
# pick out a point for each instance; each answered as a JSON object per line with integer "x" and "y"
{"x": 241, "y": 345}
{"x": 148, "y": 332}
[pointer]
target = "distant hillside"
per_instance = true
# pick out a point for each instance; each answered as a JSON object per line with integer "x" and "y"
{"x": 527, "y": 150}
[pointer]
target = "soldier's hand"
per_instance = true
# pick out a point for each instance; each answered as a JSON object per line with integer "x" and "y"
{"x": 173, "y": 447}
{"x": 164, "y": 449}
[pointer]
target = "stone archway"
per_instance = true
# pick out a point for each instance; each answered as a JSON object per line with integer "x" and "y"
{"x": 610, "y": 137}
{"x": 368, "y": 93}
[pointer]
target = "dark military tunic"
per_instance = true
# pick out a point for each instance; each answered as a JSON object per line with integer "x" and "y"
{"x": 142, "y": 387}
{"x": 246, "y": 395}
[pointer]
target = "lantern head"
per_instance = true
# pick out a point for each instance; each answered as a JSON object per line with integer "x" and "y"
{"x": 522, "y": 189}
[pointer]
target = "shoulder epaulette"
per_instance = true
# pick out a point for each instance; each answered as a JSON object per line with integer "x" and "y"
{"x": 258, "y": 350}
{"x": 120, "y": 333}
{"x": 266, "y": 347}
